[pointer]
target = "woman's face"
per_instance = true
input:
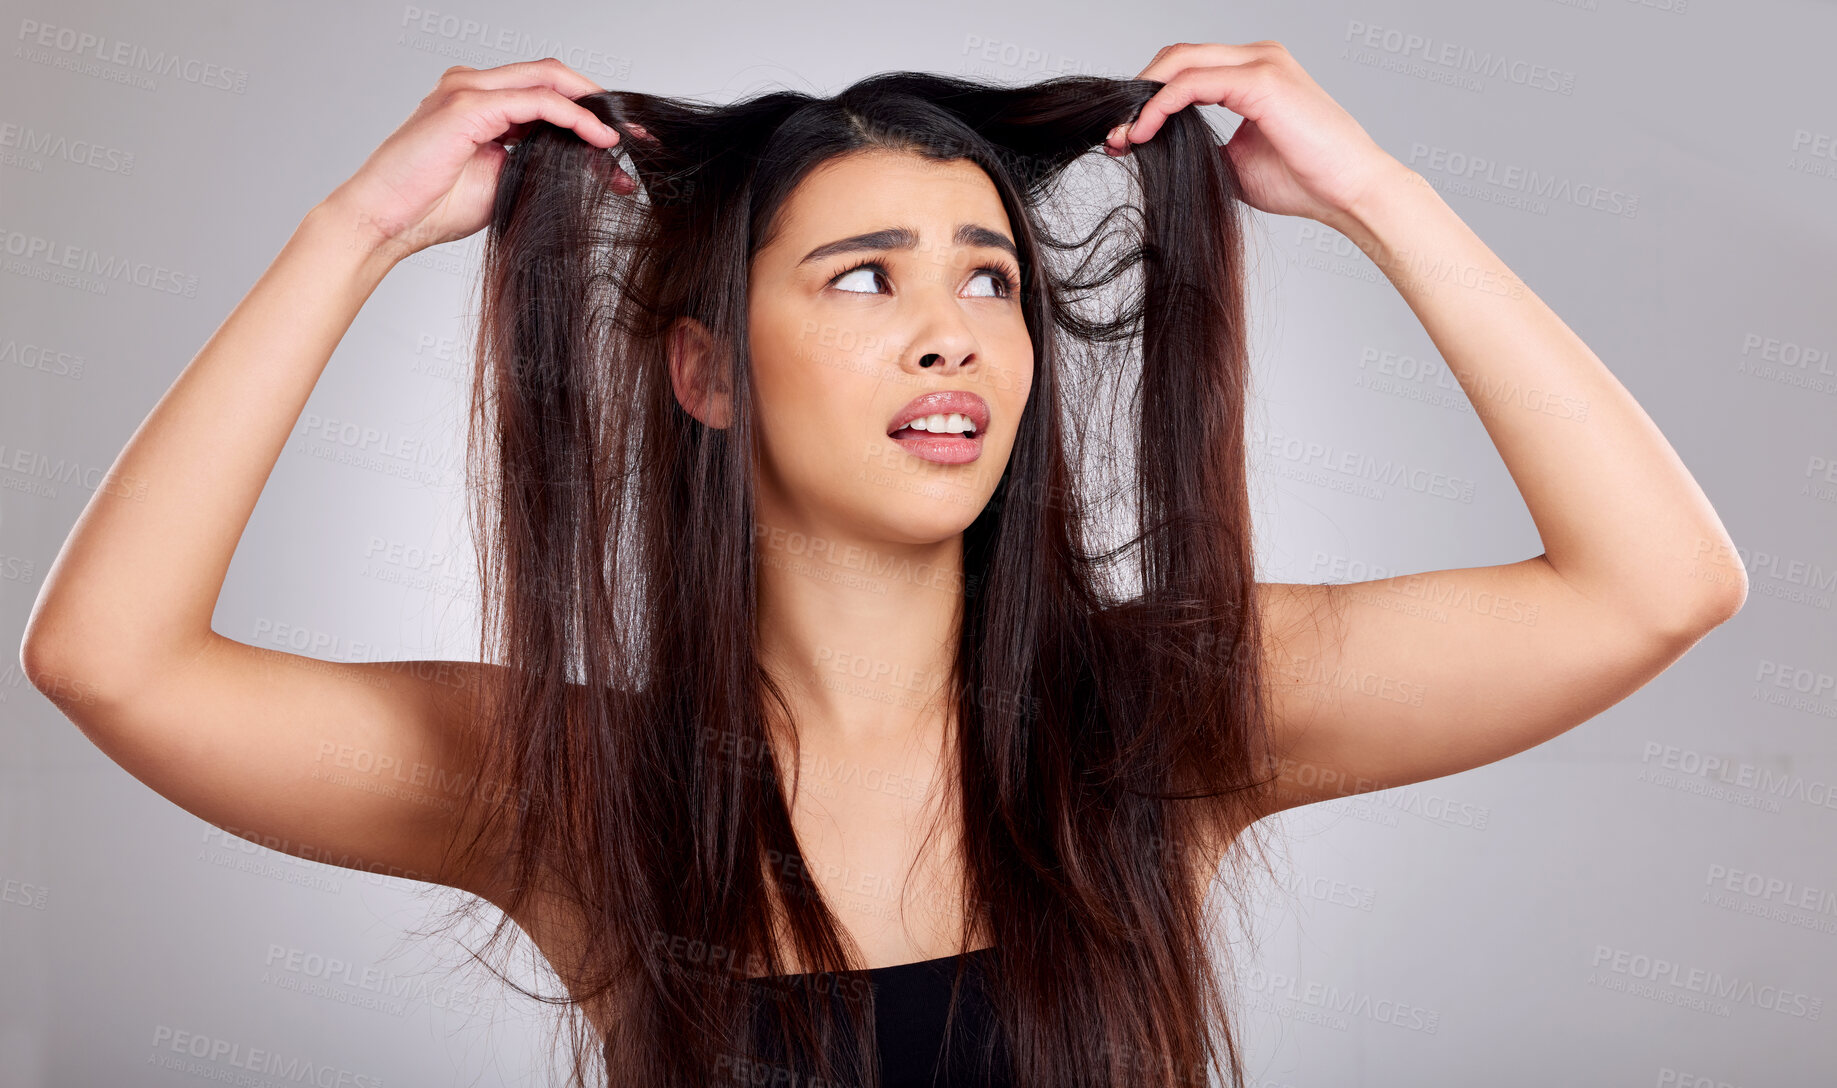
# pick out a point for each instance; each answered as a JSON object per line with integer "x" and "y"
{"x": 881, "y": 260}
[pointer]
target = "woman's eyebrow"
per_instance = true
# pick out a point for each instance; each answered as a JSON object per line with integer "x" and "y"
{"x": 968, "y": 234}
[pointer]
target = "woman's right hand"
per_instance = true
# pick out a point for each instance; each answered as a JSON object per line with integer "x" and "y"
{"x": 435, "y": 178}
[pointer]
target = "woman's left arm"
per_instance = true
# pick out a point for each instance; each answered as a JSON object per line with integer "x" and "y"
{"x": 1636, "y": 565}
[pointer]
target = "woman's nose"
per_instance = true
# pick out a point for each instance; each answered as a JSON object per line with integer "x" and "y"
{"x": 942, "y": 343}
{"x": 933, "y": 361}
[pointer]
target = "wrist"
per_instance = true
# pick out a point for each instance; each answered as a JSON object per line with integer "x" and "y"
{"x": 1384, "y": 207}
{"x": 354, "y": 234}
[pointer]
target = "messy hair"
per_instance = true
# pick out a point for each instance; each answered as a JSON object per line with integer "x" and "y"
{"x": 1110, "y": 727}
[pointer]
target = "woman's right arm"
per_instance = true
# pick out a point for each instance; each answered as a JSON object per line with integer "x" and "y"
{"x": 355, "y": 764}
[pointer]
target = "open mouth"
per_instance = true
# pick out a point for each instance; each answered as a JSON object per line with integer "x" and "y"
{"x": 952, "y": 440}
{"x": 945, "y": 426}
{"x": 951, "y": 425}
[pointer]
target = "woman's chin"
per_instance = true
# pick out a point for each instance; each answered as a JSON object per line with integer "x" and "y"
{"x": 935, "y": 514}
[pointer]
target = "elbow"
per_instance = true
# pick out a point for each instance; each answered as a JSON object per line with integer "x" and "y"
{"x": 43, "y": 662}
{"x": 59, "y": 673}
{"x": 1709, "y": 611}
{"x": 35, "y": 658}
{"x": 1731, "y": 593}
{"x": 1719, "y": 580}
{"x": 46, "y": 645}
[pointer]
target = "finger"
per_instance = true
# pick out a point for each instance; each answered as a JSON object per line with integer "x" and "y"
{"x": 1161, "y": 68}
{"x": 1174, "y": 59}
{"x": 489, "y": 114}
{"x": 547, "y": 72}
{"x": 1240, "y": 88}
{"x": 1171, "y": 61}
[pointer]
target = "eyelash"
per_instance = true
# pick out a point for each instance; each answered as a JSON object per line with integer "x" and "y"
{"x": 1007, "y": 277}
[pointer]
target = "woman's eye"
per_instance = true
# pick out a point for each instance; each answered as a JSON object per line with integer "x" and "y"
{"x": 1000, "y": 284}
{"x": 863, "y": 278}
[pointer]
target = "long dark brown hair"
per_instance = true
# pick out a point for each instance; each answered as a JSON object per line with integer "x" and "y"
{"x": 1109, "y": 710}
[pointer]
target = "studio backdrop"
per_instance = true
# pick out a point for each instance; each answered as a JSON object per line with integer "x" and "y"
{"x": 1649, "y": 899}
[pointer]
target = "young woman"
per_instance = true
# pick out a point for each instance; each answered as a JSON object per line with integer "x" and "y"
{"x": 806, "y": 708}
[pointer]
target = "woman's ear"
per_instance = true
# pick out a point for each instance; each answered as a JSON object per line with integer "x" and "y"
{"x": 698, "y": 373}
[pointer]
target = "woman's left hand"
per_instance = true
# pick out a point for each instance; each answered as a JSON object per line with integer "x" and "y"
{"x": 1296, "y": 152}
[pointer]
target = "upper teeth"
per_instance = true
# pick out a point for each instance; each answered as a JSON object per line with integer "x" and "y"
{"x": 955, "y": 421}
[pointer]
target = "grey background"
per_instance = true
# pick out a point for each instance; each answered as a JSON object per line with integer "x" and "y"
{"x": 1693, "y": 222}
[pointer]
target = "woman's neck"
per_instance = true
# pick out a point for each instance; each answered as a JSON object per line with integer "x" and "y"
{"x": 860, "y": 634}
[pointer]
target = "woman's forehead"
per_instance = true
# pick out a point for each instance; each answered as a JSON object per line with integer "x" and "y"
{"x": 867, "y": 191}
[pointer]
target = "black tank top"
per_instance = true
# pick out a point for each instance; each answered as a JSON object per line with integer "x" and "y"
{"x": 910, "y": 1003}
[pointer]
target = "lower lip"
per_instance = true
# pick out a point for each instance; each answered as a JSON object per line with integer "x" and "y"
{"x": 953, "y": 449}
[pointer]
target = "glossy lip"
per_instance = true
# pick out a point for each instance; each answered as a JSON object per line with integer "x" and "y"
{"x": 955, "y": 449}
{"x": 944, "y": 402}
